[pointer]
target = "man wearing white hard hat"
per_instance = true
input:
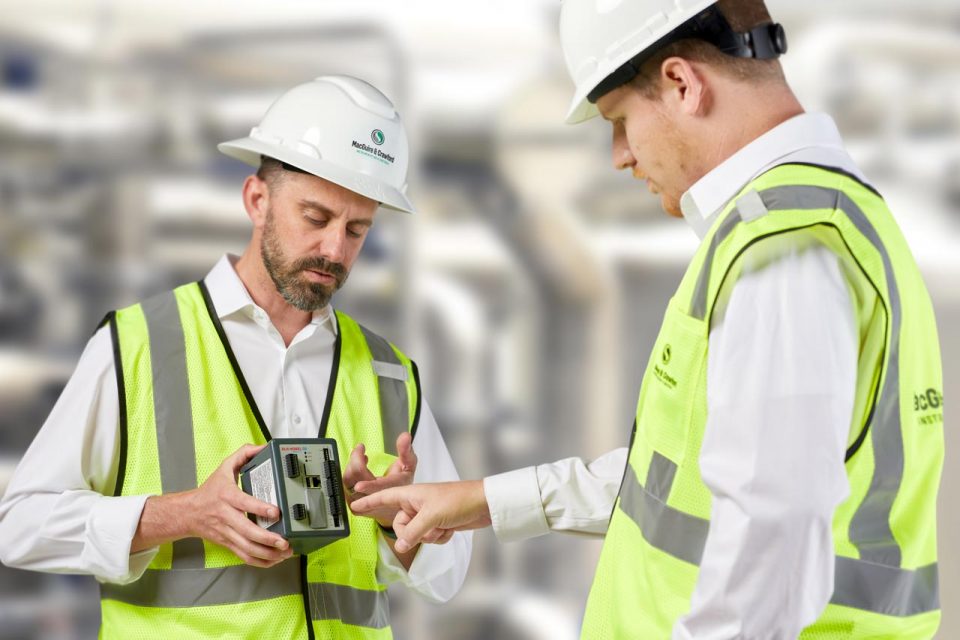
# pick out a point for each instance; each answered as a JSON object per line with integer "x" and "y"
{"x": 133, "y": 478}
{"x": 782, "y": 475}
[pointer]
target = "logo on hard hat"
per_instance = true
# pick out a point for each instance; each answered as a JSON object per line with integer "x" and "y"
{"x": 377, "y": 136}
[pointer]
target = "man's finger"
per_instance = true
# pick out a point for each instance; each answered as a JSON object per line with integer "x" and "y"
{"x": 257, "y": 534}
{"x": 431, "y": 537}
{"x": 266, "y": 555}
{"x": 387, "y": 498}
{"x": 405, "y": 453}
{"x": 242, "y": 456}
{"x": 369, "y": 487}
{"x": 357, "y": 470}
{"x": 438, "y": 536}
{"x": 245, "y": 502}
{"x": 411, "y": 534}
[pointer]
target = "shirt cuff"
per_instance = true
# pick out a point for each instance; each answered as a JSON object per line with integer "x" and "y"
{"x": 516, "y": 509}
{"x": 110, "y": 529}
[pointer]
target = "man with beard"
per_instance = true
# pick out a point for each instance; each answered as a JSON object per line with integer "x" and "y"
{"x": 133, "y": 478}
{"x": 781, "y": 480}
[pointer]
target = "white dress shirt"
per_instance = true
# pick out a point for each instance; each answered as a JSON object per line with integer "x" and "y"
{"x": 59, "y": 515}
{"x": 781, "y": 377}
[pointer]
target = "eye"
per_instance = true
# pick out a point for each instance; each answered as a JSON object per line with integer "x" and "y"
{"x": 317, "y": 222}
{"x": 354, "y": 233}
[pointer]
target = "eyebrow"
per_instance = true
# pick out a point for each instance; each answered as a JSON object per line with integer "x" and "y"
{"x": 327, "y": 211}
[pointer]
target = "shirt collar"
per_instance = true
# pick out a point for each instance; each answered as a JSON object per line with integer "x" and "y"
{"x": 230, "y": 296}
{"x": 787, "y": 141}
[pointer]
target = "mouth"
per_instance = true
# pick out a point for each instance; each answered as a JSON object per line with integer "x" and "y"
{"x": 320, "y": 276}
{"x": 651, "y": 186}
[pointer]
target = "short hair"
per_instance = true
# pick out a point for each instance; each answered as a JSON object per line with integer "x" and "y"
{"x": 742, "y": 15}
{"x": 271, "y": 171}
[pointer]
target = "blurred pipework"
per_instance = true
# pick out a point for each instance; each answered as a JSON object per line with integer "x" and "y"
{"x": 530, "y": 286}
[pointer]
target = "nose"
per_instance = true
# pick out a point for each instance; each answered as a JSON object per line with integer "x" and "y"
{"x": 334, "y": 243}
{"x": 622, "y": 156}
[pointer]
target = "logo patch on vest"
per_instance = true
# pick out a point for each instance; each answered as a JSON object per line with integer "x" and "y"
{"x": 660, "y": 369}
{"x": 930, "y": 404}
{"x": 664, "y": 377}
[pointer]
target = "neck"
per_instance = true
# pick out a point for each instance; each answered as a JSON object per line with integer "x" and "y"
{"x": 288, "y": 320}
{"x": 749, "y": 113}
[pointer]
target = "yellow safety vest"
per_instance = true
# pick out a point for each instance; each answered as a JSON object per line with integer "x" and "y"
{"x": 185, "y": 406}
{"x": 884, "y": 533}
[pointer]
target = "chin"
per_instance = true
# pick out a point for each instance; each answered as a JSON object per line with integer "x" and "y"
{"x": 671, "y": 206}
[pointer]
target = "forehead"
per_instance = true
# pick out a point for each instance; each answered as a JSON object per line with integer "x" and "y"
{"x": 612, "y": 104}
{"x": 628, "y": 101}
{"x": 305, "y": 188}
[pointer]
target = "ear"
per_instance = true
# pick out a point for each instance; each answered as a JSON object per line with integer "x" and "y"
{"x": 256, "y": 200}
{"x": 685, "y": 88}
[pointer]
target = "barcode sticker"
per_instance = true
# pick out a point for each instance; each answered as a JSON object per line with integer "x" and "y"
{"x": 261, "y": 487}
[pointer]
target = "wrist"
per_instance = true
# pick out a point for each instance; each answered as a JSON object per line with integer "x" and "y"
{"x": 167, "y": 518}
{"x": 479, "y": 493}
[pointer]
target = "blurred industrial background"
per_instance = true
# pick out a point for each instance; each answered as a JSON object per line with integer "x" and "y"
{"x": 530, "y": 287}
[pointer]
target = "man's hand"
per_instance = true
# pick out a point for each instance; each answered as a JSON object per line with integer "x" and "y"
{"x": 215, "y": 511}
{"x": 359, "y": 481}
{"x": 430, "y": 512}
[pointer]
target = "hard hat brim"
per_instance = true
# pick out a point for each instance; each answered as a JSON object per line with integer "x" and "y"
{"x": 249, "y": 151}
{"x": 581, "y": 110}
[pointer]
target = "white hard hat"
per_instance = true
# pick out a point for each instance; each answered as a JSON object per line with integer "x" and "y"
{"x": 339, "y": 128}
{"x": 606, "y": 41}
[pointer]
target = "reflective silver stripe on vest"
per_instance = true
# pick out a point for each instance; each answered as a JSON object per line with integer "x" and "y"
{"x": 680, "y": 534}
{"x": 394, "y": 404}
{"x": 359, "y": 607}
{"x": 182, "y": 588}
{"x": 857, "y": 583}
{"x": 699, "y": 307}
{"x": 875, "y": 582}
{"x": 172, "y": 412}
{"x": 870, "y": 527}
{"x": 888, "y": 590}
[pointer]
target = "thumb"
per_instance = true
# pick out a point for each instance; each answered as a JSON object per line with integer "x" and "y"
{"x": 243, "y": 455}
{"x": 405, "y": 453}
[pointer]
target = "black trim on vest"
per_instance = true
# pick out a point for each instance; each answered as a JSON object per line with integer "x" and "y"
{"x": 626, "y": 469}
{"x": 332, "y": 384}
{"x": 212, "y": 312}
{"x": 111, "y": 318}
{"x": 416, "y": 412}
{"x": 105, "y": 321}
{"x": 852, "y": 450}
{"x": 843, "y": 172}
{"x": 305, "y": 589}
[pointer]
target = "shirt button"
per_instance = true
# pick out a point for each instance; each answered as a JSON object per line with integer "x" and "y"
{"x": 296, "y": 419}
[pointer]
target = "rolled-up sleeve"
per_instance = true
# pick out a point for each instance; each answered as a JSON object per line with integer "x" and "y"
{"x": 58, "y": 514}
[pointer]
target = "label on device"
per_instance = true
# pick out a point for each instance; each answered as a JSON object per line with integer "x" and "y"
{"x": 261, "y": 488}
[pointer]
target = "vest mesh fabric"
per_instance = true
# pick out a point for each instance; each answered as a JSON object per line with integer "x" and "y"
{"x": 645, "y": 578}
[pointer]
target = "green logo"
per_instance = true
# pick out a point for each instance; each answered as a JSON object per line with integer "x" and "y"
{"x": 377, "y": 136}
{"x": 667, "y": 354}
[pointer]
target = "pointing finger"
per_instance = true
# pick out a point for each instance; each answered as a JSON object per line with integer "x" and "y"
{"x": 405, "y": 453}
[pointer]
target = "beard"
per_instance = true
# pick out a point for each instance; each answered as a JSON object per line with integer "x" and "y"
{"x": 287, "y": 275}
